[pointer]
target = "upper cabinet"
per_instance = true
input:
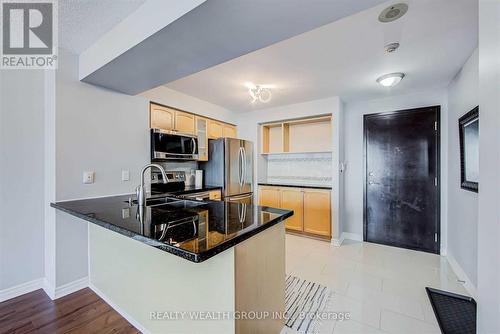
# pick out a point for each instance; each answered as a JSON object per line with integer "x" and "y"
{"x": 297, "y": 136}
{"x": 201, "y": 133}
{"x": 218, "y": 129}
{"x": 184, "y": 122}
{"x": 229, "y": 131}
{"x": 215, "y": 129}
{"x": 162, "y": 117}
{"x": 170, "y": 119}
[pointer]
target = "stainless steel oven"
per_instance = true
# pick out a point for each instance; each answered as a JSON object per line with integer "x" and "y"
{"x": 168, "y": 145}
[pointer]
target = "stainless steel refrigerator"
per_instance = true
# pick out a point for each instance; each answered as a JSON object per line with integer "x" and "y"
{"x": 230, "y": 166}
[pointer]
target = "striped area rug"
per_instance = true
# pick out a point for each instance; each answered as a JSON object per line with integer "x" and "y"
{"x": 305, "y": 302}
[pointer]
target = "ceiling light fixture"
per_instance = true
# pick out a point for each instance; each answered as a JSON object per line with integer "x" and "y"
{"x": 260, "y": 93}
{"x": 392, "y": 13}
{"x": 391, "y": 47}
{"x": 391, "y": 80}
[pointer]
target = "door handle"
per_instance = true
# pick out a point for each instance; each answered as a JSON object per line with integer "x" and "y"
{"x": 240, "y": 167}
{"x": 244, "y": 166}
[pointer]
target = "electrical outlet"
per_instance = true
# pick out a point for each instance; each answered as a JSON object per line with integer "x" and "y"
{"x": 88, "y": 177}
{"x": 125, "y": 175}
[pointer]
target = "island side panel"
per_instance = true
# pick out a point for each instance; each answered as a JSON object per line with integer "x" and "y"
{"x": 260, "y": 280}
{"x": 138, "y": 279}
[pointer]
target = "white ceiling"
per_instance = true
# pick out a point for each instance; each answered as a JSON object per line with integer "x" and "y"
{"x": 82, "y": 22}
{"x": 345, "y": 58}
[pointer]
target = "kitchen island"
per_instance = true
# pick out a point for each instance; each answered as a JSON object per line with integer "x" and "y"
{"x": 178, "y": 266}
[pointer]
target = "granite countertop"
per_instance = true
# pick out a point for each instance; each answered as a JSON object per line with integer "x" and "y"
{"x": 195, "y": 233}
{"x": 293, "y": 185}
{"x": 163, "y": 189}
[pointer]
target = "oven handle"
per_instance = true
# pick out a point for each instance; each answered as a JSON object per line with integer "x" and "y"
{"x": 197, "y": 196}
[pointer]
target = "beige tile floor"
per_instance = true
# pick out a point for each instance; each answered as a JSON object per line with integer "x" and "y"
{"x": 382, "y": 287}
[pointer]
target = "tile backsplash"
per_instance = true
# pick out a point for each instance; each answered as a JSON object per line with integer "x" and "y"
{"x": 313, "y": 169}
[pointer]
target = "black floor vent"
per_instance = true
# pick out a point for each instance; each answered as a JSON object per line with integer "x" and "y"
{"x": 456, "y": 314}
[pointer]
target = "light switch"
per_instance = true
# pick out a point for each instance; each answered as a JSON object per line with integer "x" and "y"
{"x": 125, "y": 175}
{"x": 88, "y": 177}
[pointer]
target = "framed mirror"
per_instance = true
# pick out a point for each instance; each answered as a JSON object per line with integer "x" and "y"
{"x": 469, "y": 150}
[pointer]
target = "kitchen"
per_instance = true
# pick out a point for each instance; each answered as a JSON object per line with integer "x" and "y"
{"x": 214, "y": 182}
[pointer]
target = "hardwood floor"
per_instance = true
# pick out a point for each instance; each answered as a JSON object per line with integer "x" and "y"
{"x": 79, "y": 312}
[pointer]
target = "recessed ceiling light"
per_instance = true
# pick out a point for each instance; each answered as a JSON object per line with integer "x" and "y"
{"x": 391, "y": 80}
{"x": 392, "y": 13}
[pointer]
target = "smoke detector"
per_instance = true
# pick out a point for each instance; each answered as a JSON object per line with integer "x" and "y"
{"x": 392, "y": 13}
{"x": 391, "y": 47}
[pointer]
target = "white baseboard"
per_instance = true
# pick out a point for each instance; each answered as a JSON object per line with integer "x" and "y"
{"x": 124, "y": 314}
{"x": 351, "y": 236}
{"x": 49, "y": 289}
{"x": 338, "y": 242}
{"x": 468, "y": 285}
{"x": 71, "y": 287}
{"x": 21, "y": 289}
{"x": 63, "y": 290}
{"x": 346, "y": 235}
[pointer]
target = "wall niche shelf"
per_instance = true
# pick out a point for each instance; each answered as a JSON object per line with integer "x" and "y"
{"x": 309, "y": 135}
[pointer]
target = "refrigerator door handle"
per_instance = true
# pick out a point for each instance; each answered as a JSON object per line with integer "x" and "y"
{"x": 240, "y": 167}
{"x": 237, "y": 198}
{"x": 244, "y": 166}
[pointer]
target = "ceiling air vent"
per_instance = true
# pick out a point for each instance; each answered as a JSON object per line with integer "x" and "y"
{"x": 392, "y": 13}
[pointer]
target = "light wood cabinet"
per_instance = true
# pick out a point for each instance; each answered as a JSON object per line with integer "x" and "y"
{"x": 162, "y": 117}
{"x": 293, "y": 199}
{"x": 297, "y": 136}
{"x": 317, "y": 212}
{"x": 229, "y": 131}
{"x": 311, "y": 207}
{"x": 171, "y": 119}
{"x": 214, "y": 195}
{"x": 184, "y": 122}
{"x": 270, "y": 196}
{"x": 215, "y": 129}
{"x": 201, "y": 132}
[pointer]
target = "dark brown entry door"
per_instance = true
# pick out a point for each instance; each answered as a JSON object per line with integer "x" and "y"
{"x": 402, "y": 179}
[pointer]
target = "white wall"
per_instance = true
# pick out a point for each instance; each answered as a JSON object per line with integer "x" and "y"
{"x": 463, "y": 96}
{"x": 21, "y": 176}
{"x": 248, "y": 128}
{"x": 489, "y": 165}
{"x": 353, "y": 128}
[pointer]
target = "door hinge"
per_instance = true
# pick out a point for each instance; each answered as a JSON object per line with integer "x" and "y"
{"x": 435, "y": 237}
{"x": 435, "y": 126}
{"x": 435, "y": 182}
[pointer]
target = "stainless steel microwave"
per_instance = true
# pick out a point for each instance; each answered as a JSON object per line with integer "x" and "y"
{"x": 169, "y": 145}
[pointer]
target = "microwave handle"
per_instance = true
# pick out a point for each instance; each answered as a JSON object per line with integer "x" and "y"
{"x": 194, "y": 145}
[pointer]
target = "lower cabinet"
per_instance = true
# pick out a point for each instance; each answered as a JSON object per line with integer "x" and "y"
{"x": 270, "y": 196}
{"x": 312, "y": 207}
{"x": 293, "y": 199}
{"x": 317, "y": 212}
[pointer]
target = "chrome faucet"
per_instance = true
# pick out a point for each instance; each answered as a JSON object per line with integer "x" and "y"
{"x": 139, "y": 191}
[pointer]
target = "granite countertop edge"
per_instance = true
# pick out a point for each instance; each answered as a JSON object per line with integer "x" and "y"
{"x": 190, "y": 256}
{"x": 293, "y": 185}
